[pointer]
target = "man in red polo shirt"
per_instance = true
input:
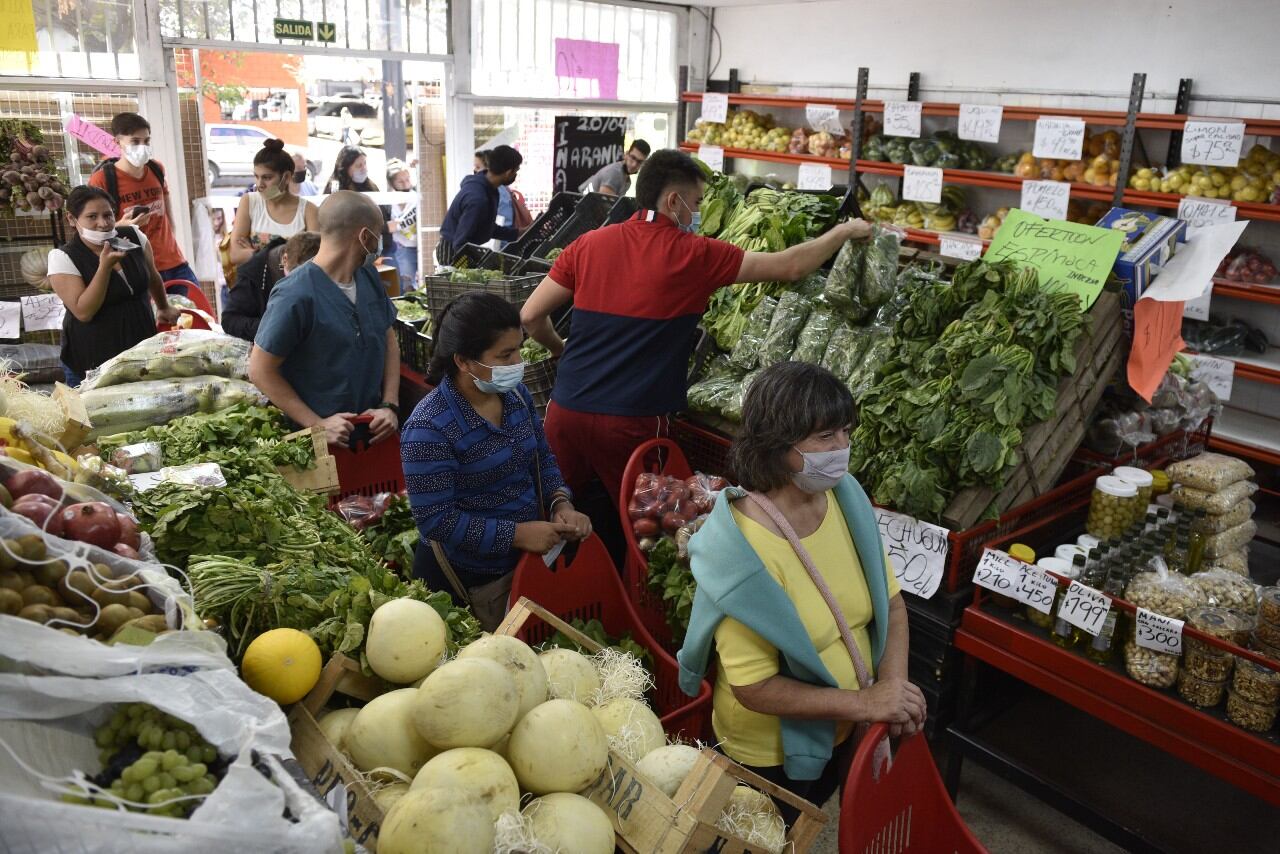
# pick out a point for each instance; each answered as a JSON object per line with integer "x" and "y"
{"x": 638, "y": 290}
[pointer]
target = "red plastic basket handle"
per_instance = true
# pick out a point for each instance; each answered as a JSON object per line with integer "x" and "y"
{"x": 360, "y": 437}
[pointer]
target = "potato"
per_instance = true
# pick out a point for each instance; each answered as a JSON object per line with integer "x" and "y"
{"x": 154, "y": 623}
{"x": 9, "y": 554}
{"x": 107, "y": 596}
{"x": 33, "y": 548}
{"x": 69, "y": 615}
{"x": 10, "y": 601}
{"x": 38, "y": 594}
{"x": 135, "y": 613}
{"x": 36, "y": 613}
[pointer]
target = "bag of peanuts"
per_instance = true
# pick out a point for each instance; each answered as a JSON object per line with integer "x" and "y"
{"x": 1210, "y": 472}
{"x": 1237, "y": 515}
{"x": 1230, "y": 540}
{"x": 1165, "y": 593}
{"x": 1213, "y": 503}
{"x": 1236, "y": 561}
{"x": 1226, "y": 590}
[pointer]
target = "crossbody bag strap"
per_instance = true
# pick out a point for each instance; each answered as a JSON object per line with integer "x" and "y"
{"x": 865, "y": 679}
{"x": 537, "y": 459}
{"x": 447, "y": 568}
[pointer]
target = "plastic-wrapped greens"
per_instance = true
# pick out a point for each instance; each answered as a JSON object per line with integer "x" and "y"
{"x": 811, "y": 345}
{"x": 863, "y": 375}
{"x": 715, "y": 394}
{"x": 788, "y": 319}
{"x": 880, "y": 270}
{"x": 811, "y": 286}
{"x": 843, "y": 290}
{"x": 134, "y": 406}
{"x": 733, "y": 409}
{"x": 746, "y": 353}
{"x": 176, "y": 353}
{"x": 843, "y": 351}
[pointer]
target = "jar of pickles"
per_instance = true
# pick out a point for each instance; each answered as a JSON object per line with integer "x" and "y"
{"x": 1112, "y": 508}
{"x": 1140, "y": 478}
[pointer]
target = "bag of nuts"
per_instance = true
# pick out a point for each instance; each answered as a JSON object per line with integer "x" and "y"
{"x": 1237, "y": 515}
{"x": 1213, "y": 503}
{"x": 1210, "y": 472}
{"x": 1156, "y": 669}
{"x": 1226, "y": 590}
{"x": 1166, "y": 593}
{"x": 1230, "y": 540}
{"x": 1236, "y": 562}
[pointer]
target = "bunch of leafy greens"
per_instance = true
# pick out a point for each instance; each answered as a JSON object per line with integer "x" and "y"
{"x": 766, "y": 221}
{"x": 672, "y": 579}
{"x": 394, "y": 537}
{"x": 531, "y": 352}
{"x": 973, "y": 362}
{"x": 594, "y": 629}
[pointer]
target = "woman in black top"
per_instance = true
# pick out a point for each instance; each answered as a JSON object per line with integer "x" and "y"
{"x": 106, "y": 290}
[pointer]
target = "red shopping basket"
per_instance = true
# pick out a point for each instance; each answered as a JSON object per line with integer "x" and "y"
{"x": 902, "y": 806}
{"x": 365, "y": 469}
{"x": 659, "y": 456}
{"x": 587, "y": 588}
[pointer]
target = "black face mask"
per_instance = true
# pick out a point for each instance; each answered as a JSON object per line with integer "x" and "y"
{"x": 299, "y": 177}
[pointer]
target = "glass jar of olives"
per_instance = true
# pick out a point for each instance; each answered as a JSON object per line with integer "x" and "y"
{"x": 1140, "y": 478}
{"x": 1112, "y": 508}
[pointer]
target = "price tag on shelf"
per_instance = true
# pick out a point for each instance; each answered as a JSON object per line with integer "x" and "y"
{"x": 980, "y": 122}
{"x": 998, "y": 572}
{"x": 814, "y": 176}
{"x": 1048, "y": 199}
{"x": 1201, "y": 212}
{"x": 1158, "y": 632}
{"x": 1218, "y": 374}
{"x": 1198, "y": 308}
{"x": 713, "y": 156}
{"x": 902, "y": 118}
{"x": 1084, "y": 608}
{"x": 1059, "y": 138}
{"x": 824, "y": 117}
{"x": 964, "y": 248}
{"x": 715, "y": 107}
{"x": 922, "y": 184}
{"x": 1212, "y": 143}
{"x": 917, "y": 551}
{"x": 1035, "y": 588}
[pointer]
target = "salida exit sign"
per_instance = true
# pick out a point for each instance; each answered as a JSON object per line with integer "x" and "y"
{"x": 290, "y": 28}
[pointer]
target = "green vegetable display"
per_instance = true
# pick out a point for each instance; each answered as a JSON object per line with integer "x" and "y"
{"x": 476, "y": 277}
{"x": 671, "y": 577}
{"x": 393, "y": 538}
{"x": 943, "y": 150}
{"x": 746, "y": 353}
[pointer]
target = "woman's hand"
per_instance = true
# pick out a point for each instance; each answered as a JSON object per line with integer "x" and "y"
{"x": 109, "y": 257}
{"x": 168, "y": 315}
{"x": 138, "y": 221}
{"x": 541, "y": 537}
{"x": 579, "y": 522}
{"x": 892, "y": 701}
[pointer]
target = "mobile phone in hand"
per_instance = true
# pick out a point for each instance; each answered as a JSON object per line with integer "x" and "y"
{"x": 138, "y": 210}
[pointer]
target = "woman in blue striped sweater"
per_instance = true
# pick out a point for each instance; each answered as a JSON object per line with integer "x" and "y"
{"x": 482, "y": 481}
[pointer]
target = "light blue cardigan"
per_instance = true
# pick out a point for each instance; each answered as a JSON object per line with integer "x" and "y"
{"x": 733, "y": 582}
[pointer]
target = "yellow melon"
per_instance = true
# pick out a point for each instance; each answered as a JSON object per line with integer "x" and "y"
{"x": 283, "y": 664}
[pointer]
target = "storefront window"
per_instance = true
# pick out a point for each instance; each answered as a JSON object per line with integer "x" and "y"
{"x": 68, "y": 38}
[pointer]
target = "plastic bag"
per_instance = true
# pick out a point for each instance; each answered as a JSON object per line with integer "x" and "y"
{"x": 864, "y": 373}
{"x": 746, "y": 353}
{"x": 713, "y": 394}
{"x": 1164, "y": 592}
{"x": 37, "y": 363}
{"x": 48, "y": 722}
{"x": 703, "y": 489}
{"x": 1221, "y": 589}
{"x": 843, "y": 350}
{"x": 880, "y": 273}
{"x": 1249, "y": 265}
{"x": 176, "y": 353}
{"x": 1148, "y": 667}
{"x": 811, "y": 344}
{"x": 843, "y": 289}
{"x": 1209, "y": 471}
{"x": 788, "y": 319}
{"x": 1236, "y": 562}
{"x": 139, "y": 458}
{"x": 1213, "y": 503}
{"x": 1230, "y": 540}
{"x": 732, "y": 409}
{"x": 1237, "y": 515}
{"x": 361, "y": 511}
{"x": 135, "y": 406}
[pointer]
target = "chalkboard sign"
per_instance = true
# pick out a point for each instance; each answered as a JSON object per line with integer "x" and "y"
{"x": 585, "y": 145}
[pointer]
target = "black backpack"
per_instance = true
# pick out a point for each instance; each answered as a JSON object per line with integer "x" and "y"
{"x": 108, "y": 169}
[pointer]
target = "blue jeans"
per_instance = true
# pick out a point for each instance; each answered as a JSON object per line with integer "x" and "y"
{"x": 406, "y": 258}
{"x": 73, "y": 379}
{"x": 182, "y": 272}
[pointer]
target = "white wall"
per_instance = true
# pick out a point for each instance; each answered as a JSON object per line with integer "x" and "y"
{"x": 1227, "y": 46}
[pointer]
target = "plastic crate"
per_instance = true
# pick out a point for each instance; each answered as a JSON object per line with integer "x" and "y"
{"x": 623, "y": 209}
{"x": 900, "y": 805}
{"x": 471, "y": 257}
{"x": 706, "y": 450}
{"x": 415, "y": 346}
{"x": 588, "y": 588}
{"x": 591, "y": 213}
{"x": 365, "y": 469}
{"x": 539, "y": 379}
{"x": 659, "y": 456}
{"x": 547, "y": 224}
{"x": 534, "y": 266}
{"x": 441, "y": 290}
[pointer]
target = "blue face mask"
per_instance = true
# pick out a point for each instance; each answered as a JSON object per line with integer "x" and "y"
{"x": 695, "y": 219}
{"x": 505, "y": 378}
{"x": 372, "y": 257}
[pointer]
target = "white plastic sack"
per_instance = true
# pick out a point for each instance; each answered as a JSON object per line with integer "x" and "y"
{"x": 204, "y": 261}
{"x": 136, "y": 406}
{"x": 177, "y": 353}
{"x": 47, "y": 725}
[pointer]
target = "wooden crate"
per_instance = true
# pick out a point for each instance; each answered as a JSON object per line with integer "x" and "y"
{"x": 324, "y": 764}
{"x": 323, "y": 478}
{"x": 648, "y": 822}
{"x": 1047, "y": 447}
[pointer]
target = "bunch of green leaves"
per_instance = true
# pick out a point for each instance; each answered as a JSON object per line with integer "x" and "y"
{"x": 594, "y": 629}
{"x": 719, "y": 201}
{"x": 672, "y": 579}
{"x": 469, "y": 276}
{"x": 393, "y": 539}
{"x": 531, "y": 352}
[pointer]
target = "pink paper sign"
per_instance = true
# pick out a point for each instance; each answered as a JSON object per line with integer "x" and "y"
{"x": 578, "y": 60}
{"x": 92, "y": 136}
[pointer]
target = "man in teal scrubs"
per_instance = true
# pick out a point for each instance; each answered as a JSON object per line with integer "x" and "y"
{"x": 326, "y": 350}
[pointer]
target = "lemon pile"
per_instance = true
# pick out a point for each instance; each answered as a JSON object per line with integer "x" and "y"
{"x": 744, "y": 129}
{"x": 1254, "y": 180}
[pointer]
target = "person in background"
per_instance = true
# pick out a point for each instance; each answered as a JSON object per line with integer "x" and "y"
{"x": 351, "y": 172}
{"x": 615, "y": 179}
{"x": 325, "y": 349}
{"x": 137, "y": 185}
{"x": 402, "y": 222}
{"x": 272, "y": 210}
{"x": 480, "y": 476}
{"x": 472, "y": 217}
{"x": 106, "y": 288}
{"x": 481, "y": 162}
{"x": 243, "y": 309}
{"x": 638, "y": 289}
{"x": 796, "y": 595}
{"x": 298, "y": 182}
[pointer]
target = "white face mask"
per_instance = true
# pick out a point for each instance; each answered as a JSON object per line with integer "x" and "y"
{"x": 91, "y": 236}
{"x": 138, "y": 155}
{"x": 360, "y": 176}
{"x": 822, "y": 470}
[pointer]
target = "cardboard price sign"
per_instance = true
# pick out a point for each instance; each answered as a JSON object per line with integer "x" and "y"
{"x": 1067, "y": 255}
{"x": 1198, "y": 308}
{"x": 1059, "y": 138}
{"x": 1085, "y": 608}
{"x": 1218, "y": 374}
{"x": 814, "y": 176}
{"x": 1158, "y": 632}
{"x": 922, "y": 184}
{"x": 1036, "y": 588}
{"x": 715, "y": 107}
{"x": 1212, "y": 143}
{"x": 1197, "y": 212}
{"x": 917, "y": 551}
{"x": 713, "y": 156}
{"x": 1048, "y": 199}
{"x": 902, "y": 118}
{"x": 998, "y": 572}
{"x": 966, "y": 249}
{"x": 980, "y": 122}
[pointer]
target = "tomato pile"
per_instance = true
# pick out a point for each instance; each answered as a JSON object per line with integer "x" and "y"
{"x": 1247, "y": 265}
{"x": 665, "y": 504}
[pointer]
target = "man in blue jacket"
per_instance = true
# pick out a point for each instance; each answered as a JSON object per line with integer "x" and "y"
{"x": 472, "y": 218}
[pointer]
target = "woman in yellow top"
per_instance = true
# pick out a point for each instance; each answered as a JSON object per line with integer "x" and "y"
{"x": 788, "y": 693}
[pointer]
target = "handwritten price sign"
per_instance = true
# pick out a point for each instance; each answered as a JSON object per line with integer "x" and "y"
{"x": 715, "y": 107}
{"x": 1158, "y": 632}
{"x": 1084, "y": 608}
{"x": 823, "y": 117}
{"x": 1059, "y": 139}
{"x": 980, "y": 122}
{"x": 917, "y": 551}
{"x": 1201, "y": 212}
{"x": 814, "y": 176}
{"x": 1036, "y": 588}
{"x": 922, "y": 184}
{"x": 1218, "y": 374}
{"x": 1212, "y": 143}
{"x": 902, "y": 118}
{"x": 1048, "y": 199}
{"x": 966, "y": 249}
{"x": 713, "y": 156}
{"x": 998, "y": 572}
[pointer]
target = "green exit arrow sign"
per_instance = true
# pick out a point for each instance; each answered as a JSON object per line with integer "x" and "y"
{"x": 326, "y": 32}
{"x": 288, "y": 28}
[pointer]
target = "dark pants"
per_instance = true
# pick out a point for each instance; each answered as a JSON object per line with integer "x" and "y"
{"x": 73, "y": 379}
{"x": 816, "y": 792}
{"x": 182, "y": 272}
{"x": 589, "y": 446}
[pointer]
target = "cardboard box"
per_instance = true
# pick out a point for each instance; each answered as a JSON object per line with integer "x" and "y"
{"x": 1150, "y": 241}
